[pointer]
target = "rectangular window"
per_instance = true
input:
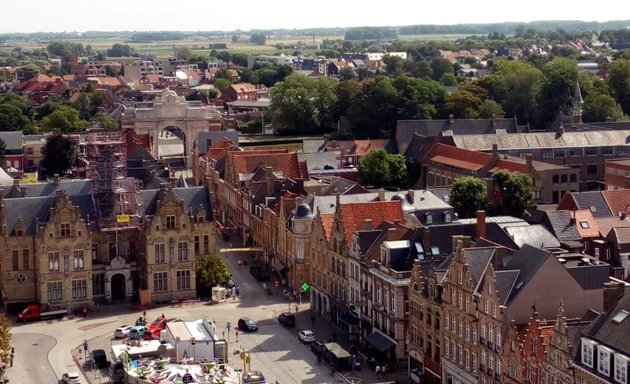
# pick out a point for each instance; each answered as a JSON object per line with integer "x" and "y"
{"x": 467, "y": 330}
{"x": 474, "y": 334}
{"x": 183, "y": 280}
{"x": 474, "y": 362}
{"x": 54, "y": 291}
{"x": 196, "y": 245}
{"x": 98, "y": 284}
{"x": 53, "y": 261}
{"x": 603, "y": 360}
{"x": 78, "y": 258}
{"x": 563, "y": 178}
{"x": 159, "y": 252}
{"x": 446, "y": 321}
{"x": 446, "y": 350}
{"x": 573, "y": 177}
{"x": 591, "y": 151}
{"x": 467, "y": 358}
{"x": 65, "y": 229}
{"x": 160, "y": 282}
{"x": 16, "y": 259}
{"x": 607, "y": 151}
{"x": 587, "y": 353}
{"x": 555, "y": 179}
{"x": 453, "y": 350}
{"x": 206, "y": 245}
{"x": 182, "y": 250}
{"x": 170, "y": 222}
{"x": 460, "y": 355}
{"x": 621, "y": 369}
{"x": 591, "y": 169}
{"x": 26, "y": 259}
{"x": 79, "y": 289}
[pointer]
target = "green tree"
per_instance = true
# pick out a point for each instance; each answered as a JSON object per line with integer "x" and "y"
{"x": 347, "y": 73}
{"x": 560, "y": 78}
{"x": 619, "y": 82}
{"x": 182, "y": 52}
{"x": 5, "y": 341}
{"x": 468, "y": 195}
{"x": 120, "y": 50}
{"x": 380, "y": 169}
{"x": 211, "y": 271}
{"x": 463, "y": 105}
{"x": 12, "y": 119}
{"x": 258, "y": 38}
{"x": 222, "y": 84}
{"x": 601, "y": 107}
{"x": 394, "y": 65}
{"x": 448, "y": 79}
{"x": 489, "y": 109}
{"x": 64, "y": 119}
{"x": 59, "y": 155}
{"x": 515, "y": 191}
{"x": 439, "y": 67}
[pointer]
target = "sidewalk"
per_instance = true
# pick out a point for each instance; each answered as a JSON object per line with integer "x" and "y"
{"x": 324, "y": 332}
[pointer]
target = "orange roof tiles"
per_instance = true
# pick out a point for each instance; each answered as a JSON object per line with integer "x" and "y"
{"x": 354, "y": 215}
{"x": 327, "y": 222}
{"x": 279, "y": 160}
{"x": 618, "y": 200}
{"x": 588, "y": 229}
{"x": 605, "y": 224}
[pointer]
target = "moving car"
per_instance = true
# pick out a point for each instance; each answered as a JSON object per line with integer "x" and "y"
{"x": 317, "y": 347}
{"x": 287, "y": 319}
{"x": 122, "y": 331}
{"x": 100, "y": 358}
{"x": 71, "y": 378}
{"x": 253, "y": 377}
{"x": 246, "y": 324}
{"x": 306, "y": 336}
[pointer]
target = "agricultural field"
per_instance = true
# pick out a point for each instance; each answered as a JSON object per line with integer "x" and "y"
{"x": 437, "y": 36}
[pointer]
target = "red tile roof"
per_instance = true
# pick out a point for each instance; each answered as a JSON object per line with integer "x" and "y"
{"x": 354, "y": 215}
{"x": 327, "y": 222}
{"x": 588, "y": 230}
{"x": 362, "y": 147}
{"x": 618, "y": 200}
{"x": 605, "y": 224}
{"x": 279, "y": 160}
{"x": 471, "y": 160}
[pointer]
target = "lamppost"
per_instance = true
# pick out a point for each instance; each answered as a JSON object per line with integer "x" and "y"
{"x": 193, "y": 342}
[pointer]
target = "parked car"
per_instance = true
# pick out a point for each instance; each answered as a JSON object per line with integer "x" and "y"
{"x": 71, "y": 378}
{"x": 306, "y": 336}
{"x": 246, "y": 324}
{"x": 317, "y": 347}
{"x": 122, "y": 331}
{"x": 287, "y": 319}
{"x": 137, "y": 332}
{"x": 99, "y": 357}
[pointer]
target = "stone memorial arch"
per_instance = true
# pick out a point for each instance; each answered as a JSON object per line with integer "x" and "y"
{"x": 170, "y": 114}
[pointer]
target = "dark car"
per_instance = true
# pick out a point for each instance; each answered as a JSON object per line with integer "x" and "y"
{"x": 246, "y": 324}
{"x": 99, "y": 357}
{"x": 317, "y": 347}
{"x": 287, "y": 319}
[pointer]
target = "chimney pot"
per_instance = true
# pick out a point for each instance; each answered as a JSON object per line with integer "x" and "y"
{"x": 481, "y": 223}
{"x": 367, "y": 224}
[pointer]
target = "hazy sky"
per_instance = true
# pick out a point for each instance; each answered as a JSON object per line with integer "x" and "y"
{"x": 204, "y": 15}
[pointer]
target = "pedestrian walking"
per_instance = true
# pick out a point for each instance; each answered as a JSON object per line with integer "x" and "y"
{"x": 238, "y": 291}
{"x": 239, "y": 263}
{"x": 236, "y": 335}
{"x": 383, "y": 370}
{"x": 12, "y": 354}
{"x": 377, "y": 371}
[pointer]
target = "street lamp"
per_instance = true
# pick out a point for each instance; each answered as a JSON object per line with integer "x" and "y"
{"x": 193, "y": 342}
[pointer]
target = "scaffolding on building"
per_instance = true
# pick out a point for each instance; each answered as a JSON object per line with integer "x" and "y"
{"x": 117, "y": 198}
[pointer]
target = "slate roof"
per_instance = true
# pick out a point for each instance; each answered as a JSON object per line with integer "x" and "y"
{"x": 622, "y": 235}
{"x": 70, "y": 187}
{"x": 561, "y": 224}
{"x": 606, "y": 224}
{"x": 365, "y": 239}
{"x": 504, "y": 284}
{"x": 214, "y": 138}
{"x": 608, "y": 331}
{"x": 478, "y": 260}
{"x": 326, "y": 204}
{"x": 535, "y": 235}
{"x": 32, "y": 210}
{"x": 434, "y": 128}
{"x": 12, "y": 140}
{"x": 341, "y": 186}
{"x": 527, "y": 261}
{"x": 420, "y": 199}
{"x": 540, "y": 140}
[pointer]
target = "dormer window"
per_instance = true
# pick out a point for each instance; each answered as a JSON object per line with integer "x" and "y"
{"x": 429, "y": 218}
{"x": 447, "y": 217}
{"x": 621, "y": 368}
{"x": 603, "y": 360}
{"x": 588, "y": 347}
{"x": 170, "y": 222}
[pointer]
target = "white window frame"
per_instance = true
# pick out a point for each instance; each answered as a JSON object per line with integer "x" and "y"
{"x": 603, "y": 360}
{"x": 588, "y": 352}
{"x": 621, "y": 368}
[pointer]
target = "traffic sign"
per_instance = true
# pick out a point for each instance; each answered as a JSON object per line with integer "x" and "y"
{"x": 276, "y": 283}
{"x": 85, "y": 345}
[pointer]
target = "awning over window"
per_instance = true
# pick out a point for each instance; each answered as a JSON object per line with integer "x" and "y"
{"x": 349, "y": 319}
{"x": 380, "y": 341}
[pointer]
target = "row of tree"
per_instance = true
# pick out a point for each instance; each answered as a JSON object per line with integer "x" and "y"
{"x": 371, "y": 107}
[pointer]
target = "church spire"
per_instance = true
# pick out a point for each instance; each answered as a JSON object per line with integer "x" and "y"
{"x": 577, "y": 103}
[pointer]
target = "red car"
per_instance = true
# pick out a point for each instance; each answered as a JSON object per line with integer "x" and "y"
{"x": 156, "y": 327}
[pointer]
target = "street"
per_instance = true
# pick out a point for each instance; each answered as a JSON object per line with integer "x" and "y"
{"x": 45, "y": 347}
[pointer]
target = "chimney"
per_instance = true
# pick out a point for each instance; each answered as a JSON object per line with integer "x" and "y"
{"x": 56, "y": 179}
{"x": 23, "y": 191}
{"x": 410, "y": 196}
{"x": 16, "y": 182}
{"x": 613, "y": 291}
{"x": 494, "y": 120}
{"x": 451, "y": 119}
{"x": 481, "y": 223}
{"x": 367, "y": 224}
{"x": 460, "y": 241}
{"x": 381, "y": 194}
{"x": 529, "y": 160}
{"x": 426, "y": 239}
{"x": 561, "y": 130}
{"x": 495, "y": 148}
